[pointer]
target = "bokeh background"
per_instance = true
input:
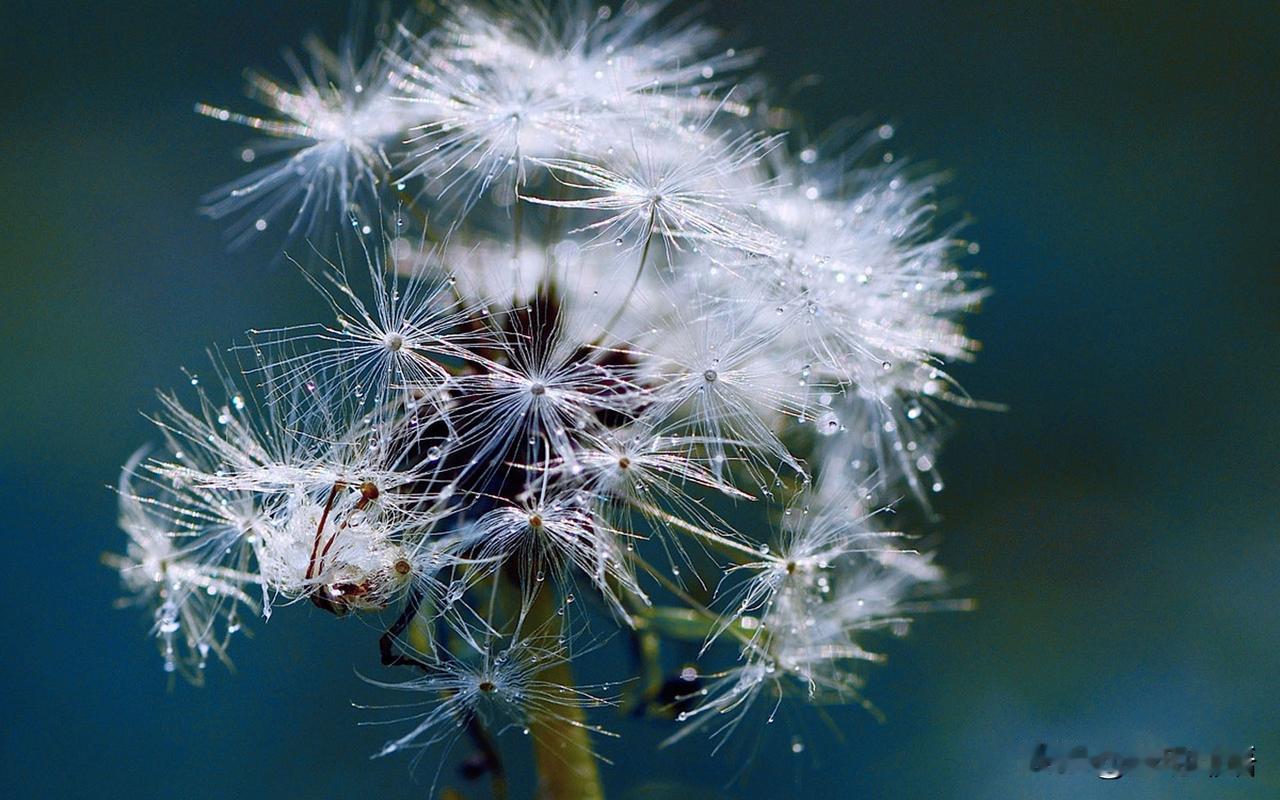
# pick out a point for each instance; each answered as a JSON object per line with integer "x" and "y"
{"x": 1118, "y": 524}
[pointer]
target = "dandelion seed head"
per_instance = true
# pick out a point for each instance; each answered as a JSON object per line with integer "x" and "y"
{"x": 585, "y": 305}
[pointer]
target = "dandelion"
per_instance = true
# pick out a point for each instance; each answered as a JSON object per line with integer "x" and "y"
{"x": 670, "y": 377}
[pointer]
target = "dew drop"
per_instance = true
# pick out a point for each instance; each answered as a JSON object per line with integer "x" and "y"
{"x": 828, "y": 423}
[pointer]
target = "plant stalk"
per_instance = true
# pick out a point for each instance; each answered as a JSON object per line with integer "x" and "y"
{"x": 562, "y": 748}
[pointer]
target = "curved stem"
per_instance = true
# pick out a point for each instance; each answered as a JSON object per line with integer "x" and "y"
{"x": 635, "y": 281}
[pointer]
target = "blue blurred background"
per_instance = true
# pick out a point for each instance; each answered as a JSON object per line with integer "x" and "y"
{"x": 1118, "y": 524}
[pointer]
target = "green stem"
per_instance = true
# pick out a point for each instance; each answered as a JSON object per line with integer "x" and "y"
{"x": 562, "y": 750}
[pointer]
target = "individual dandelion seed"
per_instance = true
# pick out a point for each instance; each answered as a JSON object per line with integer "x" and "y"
{"x": 333, "y": 126}
{"x": 731, "y": 697}
{"x": 267, "y": 441}
{"x": 825, "y": 651}
{"x": 650, "y": 472}
{"x": 554, "y": 533}
{"x": 189, "y": 559}
{"x": 403, "y": 335}
{"x": 541, "y": 387}
{"x": 807, "y": 605}
{"x": 484, "y": 126}
{"x": 278, "y": 441}
{"x": 681, "y": 181}
{"x": 498, "y": 682}
{"x": 789, "y": 581}
{"x": 891, "y": 433}
{"x": 867, "y": 278}
{"x": 719, "y": 374}
{"x": 627, "y": 63}
{"x": 726, "y": 697}
{"x": 219, "y": 433}
{"x": 504, "y": 90}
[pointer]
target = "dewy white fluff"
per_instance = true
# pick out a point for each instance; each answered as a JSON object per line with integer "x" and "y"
{"x": 591, "y": 334}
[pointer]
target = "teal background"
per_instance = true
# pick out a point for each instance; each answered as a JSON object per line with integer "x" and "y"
{"x": 1118, "y": 524}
